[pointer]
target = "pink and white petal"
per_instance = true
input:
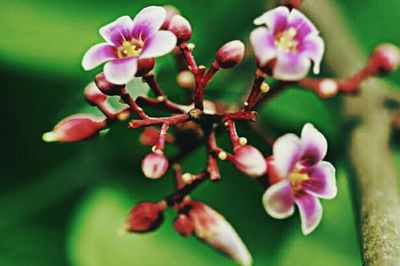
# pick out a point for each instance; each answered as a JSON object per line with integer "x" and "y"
{"x": 278, "y": 200}
{"x": 97, "y": 55}
{"x": 291, "y": 66}
{"x": 313, "y": 47}
{"x": 117, "y": 31}
{"x": 159, "y": 44}
{"x": 302, "y": 24}
{"x": 314, "y": 145}
{"x": 275, "y": 19}
{"x": 310, "y": 212}
{"x": 120, "y": 71}
{"x": 263, "y": 43}
{"x": 322, "y": 182}
{"x": 148, "y": 21}
{"x": 287, "y": 152}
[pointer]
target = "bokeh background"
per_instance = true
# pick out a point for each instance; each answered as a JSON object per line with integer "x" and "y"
{"x": 63, "y": 204}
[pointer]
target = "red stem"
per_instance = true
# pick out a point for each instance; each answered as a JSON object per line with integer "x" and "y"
{"x": 254, "y": 93}
{"x": 171, "y": 120}
{"x": 151, "y": 80}
{"x": 181, "y": 193}
{"x": 161, "y": 138}
{"x": 164, "y": 104}
{"x": 240, "y": 115}
{"x": 233, "y": 134}
{"x": 127, "y": 99}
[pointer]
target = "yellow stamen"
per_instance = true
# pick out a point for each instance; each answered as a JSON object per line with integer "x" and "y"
{"x": 286, "y": 42}
{"x": 296, "y": 178}
{"x": 131, "y": 48}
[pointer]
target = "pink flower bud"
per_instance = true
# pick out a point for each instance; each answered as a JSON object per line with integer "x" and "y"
{"x": 154, "y": 165}
{"x": 107, "y": 87}
{"x": 145, "y": 217}
{"x": 181, "y": 28}
{"x": 230, "y": 54}
{"x": 171, "y": 11}
{"x": 74, "y": 128}
{"x": 145, "y": 65}
{"x": 212, "y": 227}
{"x": 386, "y": 57}
{"x": 250, "y": 161}
{"x": 183, "y": 225}
{"x": 93, "y": 95}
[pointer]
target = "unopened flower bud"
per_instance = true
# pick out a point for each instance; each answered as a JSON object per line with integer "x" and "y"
{"x": 74, "y": 128}
{"x": 93, "y": 95}
{"x": 327, "y": 88}
{"x": 230, "y": 54}
{"x": 107, "y": 87}
{"x": 386, "y": 57}
{"x": 212, "y": 227}
{"x": 185, "y": 79}
{"x": 171, "y": 11}
{"x": 145, "y": 65}
{"x": 249, "y": 160}
{"x": 183, "y": 225}
{"x": 150, "y": 136}
{"x": 181, "y": 28}
{"x": 145, "y": 217}
{"x": 154, "y": 165}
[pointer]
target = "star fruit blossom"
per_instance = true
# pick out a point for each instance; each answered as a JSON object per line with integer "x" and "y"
{"x": 300, "y": 177}
{"x": 128, "y": 41}
{"x": 287, "y": 44}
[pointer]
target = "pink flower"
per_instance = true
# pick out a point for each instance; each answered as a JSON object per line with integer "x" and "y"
{"x": 300, "y": 177}
{"x": 128, "y": 41}
{"x": 287, "y": 44}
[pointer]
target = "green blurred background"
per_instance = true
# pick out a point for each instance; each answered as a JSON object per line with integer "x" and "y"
{"x": 63, "y": 204}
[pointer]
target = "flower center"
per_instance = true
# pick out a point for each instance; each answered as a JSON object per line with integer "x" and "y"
{"x": 131, "y": 48}
{"x": 285, "y": 41}
{"x": 296, "y": 178}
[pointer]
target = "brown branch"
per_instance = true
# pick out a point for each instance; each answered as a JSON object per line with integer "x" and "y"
{"x": 378, "y": 204}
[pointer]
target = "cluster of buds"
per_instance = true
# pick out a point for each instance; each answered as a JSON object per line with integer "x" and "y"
{"x": 285, "y": 44}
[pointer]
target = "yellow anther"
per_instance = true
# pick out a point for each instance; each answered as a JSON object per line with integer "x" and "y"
{"x": 286, "y": 42}
{"x": 296, "y": 177}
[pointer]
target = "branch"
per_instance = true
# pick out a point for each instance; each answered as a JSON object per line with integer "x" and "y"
{"x": 378, "y": 203}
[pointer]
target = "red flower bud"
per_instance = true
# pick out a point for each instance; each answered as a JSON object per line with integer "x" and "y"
{"x": 212, "y": 227}
{"x": 250, "y": 161}
{"x": 154, "y": 165}
{"x": 74, "y": 128}
{"x": 93, "y": 95}
{"x": 171, "y": 11}
{"x": 183, "y": 225}
{"x": 230, "y": 54}
{"x": 181, "y": 28}
{"x": 107, "y": 87}
{"x": 386, "y": 57}
{"x": 150, "y": 136}
{"x": 145, "y": 217}
{"x": 145, "y": 65}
